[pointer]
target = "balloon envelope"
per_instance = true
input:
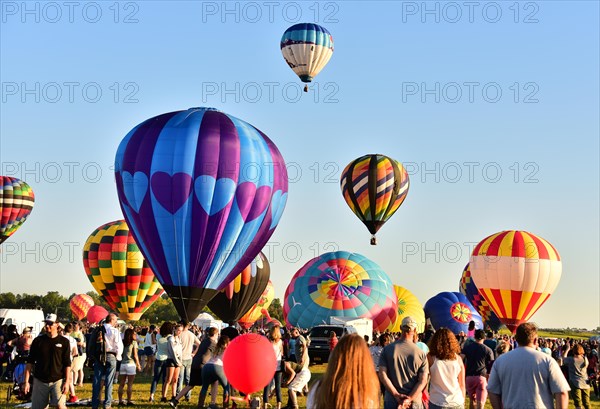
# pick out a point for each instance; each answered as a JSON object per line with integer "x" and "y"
{"x": 236, "y": 299}
{"x": 374, "y": 187}
{"x": 96, "y": 313}
{"x": 16, "y": 203}
{"x": 516, "y": 272}
{"x": 80, "y": 305}
{"x": 118, "y": 272}
{"x": 408, "y": 306}
{"x": 202, "y": 192}
{"x": 452, "y": 311}
{"x": 340, "y": 284}
{"x": 256, "y": 311}
{"x": 249, "y": 362}
{"x": 468, "y": 288}
{"x": 306, "y": 48}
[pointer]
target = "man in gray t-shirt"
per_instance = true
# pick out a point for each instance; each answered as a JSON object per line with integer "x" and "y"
{"x": 403, "y": 370}
{"x": 526, "y": 378}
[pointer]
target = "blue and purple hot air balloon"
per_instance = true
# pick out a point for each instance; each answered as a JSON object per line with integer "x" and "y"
{"x": 202, "y": 192}
{"x": 451, "y": 310}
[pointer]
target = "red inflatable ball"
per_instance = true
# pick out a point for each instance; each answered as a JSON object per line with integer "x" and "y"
{"x": 96, "y": 314}
{"x": 249, "y": 363}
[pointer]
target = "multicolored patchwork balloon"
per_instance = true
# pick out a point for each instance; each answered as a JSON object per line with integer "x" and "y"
{"x": 16, "y": 203}
{"x": 468, "y": 288}
{"x": 202, "y": 192}
{"x": 340, "y": 284}
{"x": 260, "y": 308}
{"x": 408, "y": 306}
{"x": 118, "y": 272}
{"x": 515, "y": 272}
{"x": 80, "y": 305}
{"x": 374, "y": 187}
{"x": 240, "y": 295}
{"x": 307, "y": 49}
{"x": 452, "y": 311}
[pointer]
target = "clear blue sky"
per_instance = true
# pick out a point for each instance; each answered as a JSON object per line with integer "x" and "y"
{"x": 493, "y": 109}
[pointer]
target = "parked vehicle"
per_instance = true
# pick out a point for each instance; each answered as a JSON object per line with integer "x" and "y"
{"x": 318, "y": 347}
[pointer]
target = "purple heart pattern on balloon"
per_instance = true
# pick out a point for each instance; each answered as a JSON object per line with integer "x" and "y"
{"x": 202, "y": 192}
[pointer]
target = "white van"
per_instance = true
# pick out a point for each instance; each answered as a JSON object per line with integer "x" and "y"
{"x": 22, "y": 319}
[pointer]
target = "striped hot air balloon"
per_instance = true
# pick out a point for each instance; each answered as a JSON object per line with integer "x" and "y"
{"x": 243, "y": 292}
{"x": 408, "y": 306}
{"x": 340, "y": 284}
{"x": 516, "y": 272}
{"x": 374, "y": 187}
{"x": 80, "y": 305}
{"x": 117, "y": 270}
{"x": 16, "y": 203}
{"x": 468, "y": 288}
{"x": 307, "y": 48}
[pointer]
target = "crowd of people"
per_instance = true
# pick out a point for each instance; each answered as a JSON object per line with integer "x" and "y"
{"x": 434, "y": 369}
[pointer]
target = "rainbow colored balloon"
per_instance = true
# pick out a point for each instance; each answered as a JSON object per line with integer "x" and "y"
{"x": 452, "y": 310}
{"x": 80, "y": 305}
{"x": 118, "y": 272}
{"x": 240, "y": 295}
{"x": 202, "y": 192}
{"x": 468, "y": 288}
{"x": 340, "y": 284}
{"x": 515, "y": 272}
{"x": 260, "y": 308}
{"x": 16, "y": 203}
{"x": 374, "y": 187}
{"x": 408, "y": 306}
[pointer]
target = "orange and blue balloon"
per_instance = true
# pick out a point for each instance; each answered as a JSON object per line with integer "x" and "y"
{"x": 202, "y": 192}
{"x": 452, "y": 310}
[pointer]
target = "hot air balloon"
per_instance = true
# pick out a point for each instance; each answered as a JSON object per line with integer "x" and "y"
{"x": 468, "y": 288}
{"x": 16, "y": 203}
{"x": 96, "y": 313}
{"x": 340, "y": 284}
{"x": 80, "y": 305}
{"x": 408, "y": 306}
{"x": 307, "y": 49}
{"x": 260, "y": 308}
{"x": 374, "y": 187}
{"x": 515, "y": 272}
{"x": 118, "y": 272}
{"x": 452, "y": 311}
{"x": 243, "y": 292}
{"x": 202, "y": 192}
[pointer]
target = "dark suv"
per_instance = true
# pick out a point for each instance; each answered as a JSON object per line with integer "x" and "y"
{"x": 318, "y": 349}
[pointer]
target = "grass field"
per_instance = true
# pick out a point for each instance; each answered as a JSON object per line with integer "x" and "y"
{"x": 141, "y": 392}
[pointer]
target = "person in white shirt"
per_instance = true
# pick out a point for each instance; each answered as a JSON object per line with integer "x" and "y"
{"x": 189, "y": 344}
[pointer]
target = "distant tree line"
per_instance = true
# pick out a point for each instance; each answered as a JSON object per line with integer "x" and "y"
{"x": 53, "y": 302}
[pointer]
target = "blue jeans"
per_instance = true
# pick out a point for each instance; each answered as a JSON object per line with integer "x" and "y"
{"x": 212, "y": 373}
{"x": 184, "y": 377}
{"x": 107, "y": 372}
{"x": 159, "y": 370}
{"x": 277, "y": 379}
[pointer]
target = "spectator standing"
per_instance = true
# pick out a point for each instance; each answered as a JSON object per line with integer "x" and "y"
{"x": 479, "y": 358}
{"x": 189, "y": 344}
{"x": 107, "y": 349}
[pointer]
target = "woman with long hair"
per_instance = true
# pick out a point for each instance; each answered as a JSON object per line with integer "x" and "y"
{"x": 162, "y": 353}
{"x": 447, "y": 382}
{"x": 213, "y": 371}
{"x": 129, "y": 364}
{"x": 174, "y": 360}
{"x": 350, "y": 380}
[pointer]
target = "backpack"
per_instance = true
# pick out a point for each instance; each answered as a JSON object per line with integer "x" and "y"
{"x": 96, "y": 350}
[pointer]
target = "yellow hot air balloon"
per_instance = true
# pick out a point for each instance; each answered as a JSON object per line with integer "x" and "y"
{"x": 516, "y": 272}
{"x": 408, "y": 306}
{"x": 256, "y": 311}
